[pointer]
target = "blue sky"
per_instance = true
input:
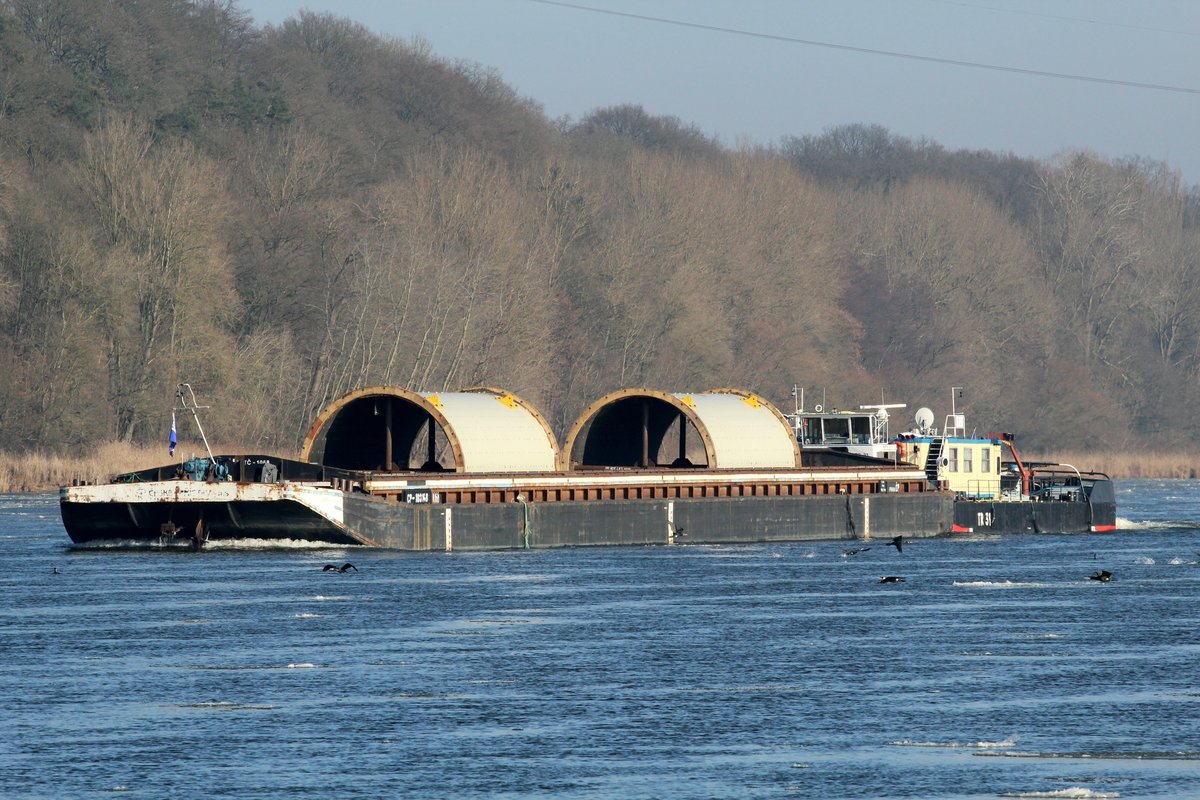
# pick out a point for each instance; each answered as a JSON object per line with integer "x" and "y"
{"x": 758, "y": 89}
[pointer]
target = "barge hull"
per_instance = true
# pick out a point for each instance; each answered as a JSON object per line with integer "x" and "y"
{"x": 293, "y": 513}
{"x": 656, "y": 522}
{"x": 984, "y": 516}
{"x": 163, "y": 510}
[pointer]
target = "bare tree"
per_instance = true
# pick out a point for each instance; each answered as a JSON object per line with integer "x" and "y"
{"x": 164, "y": 281}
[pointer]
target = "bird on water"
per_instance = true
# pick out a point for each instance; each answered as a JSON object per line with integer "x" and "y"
{"x": 891, "y": 579}
{"x": 898, "y": 543}
{"x": 342, "y": 568}
{"x": 849, "y": 551}
{"x": 1104, "y": 576}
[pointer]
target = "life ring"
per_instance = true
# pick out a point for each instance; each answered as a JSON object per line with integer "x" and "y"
{"x": 899, "y": 450}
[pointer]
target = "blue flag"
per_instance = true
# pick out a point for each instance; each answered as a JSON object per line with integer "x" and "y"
{"x": 171, "y": 441}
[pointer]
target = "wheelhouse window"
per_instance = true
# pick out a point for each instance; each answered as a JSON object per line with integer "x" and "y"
{"x": 954, "y": 459}
{"x": 985, "y": 458}
{"x": 967, "y": 466}
{"x": 837, "y": 431}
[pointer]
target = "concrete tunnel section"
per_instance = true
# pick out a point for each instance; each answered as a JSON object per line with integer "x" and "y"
{"x": 389, "y": 429}
{"x": 650, "y": 429}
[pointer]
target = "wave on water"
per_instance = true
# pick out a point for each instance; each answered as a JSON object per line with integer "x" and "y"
{"x": 1040, "y": 636}
{"x": 225, "y": 705}
{"x": 247, "y": 667}
{"x": 131, "y": 544}
{"x": 1106, "y": 755}
{"x": 516, "y": 577}
{"x": 1124, "y": 524}
{"x": 1002, "y": 585}
{"x": 981, "y": 745}
{"x": 1072, "y": 792}
{"x": 305, "y": 616}
{"x": 332, "y": 598}
{"x": 277, "y": 544}
{"x": 172, "y": 543}
{"x": 1145, "y": 561}
{"x": 1011, "y": 654}
{"x": 764, "y": 688}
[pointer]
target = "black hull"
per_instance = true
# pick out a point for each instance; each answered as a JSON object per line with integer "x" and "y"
{"x": 985, "y": 516}
{"x": 271, "y": 521}
{"x": 373, "y": 521}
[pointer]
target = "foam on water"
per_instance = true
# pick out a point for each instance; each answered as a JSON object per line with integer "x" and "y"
{"x": 225, "y": 705}
{"x": 1005, "y": 584}
{"x": 1113, "y": 755}
{"x": 981, "y": 745}
{"x": 279, "y": 544}
{"x": 173, "y": 543}
{"x": 1073, "y": 793}
{"x": 1124, "y": 524}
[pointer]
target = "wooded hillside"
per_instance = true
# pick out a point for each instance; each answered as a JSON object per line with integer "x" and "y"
{"x": 280, "y": 215}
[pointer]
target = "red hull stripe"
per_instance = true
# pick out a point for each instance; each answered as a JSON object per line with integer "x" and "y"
{"x": 956, "y": 528}
{"x": 1103, "y": 528}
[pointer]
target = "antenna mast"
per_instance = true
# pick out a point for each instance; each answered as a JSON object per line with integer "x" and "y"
{"x": 184, "y": 405}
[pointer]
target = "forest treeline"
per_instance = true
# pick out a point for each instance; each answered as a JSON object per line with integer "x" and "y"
{"x": 278, "y": 215}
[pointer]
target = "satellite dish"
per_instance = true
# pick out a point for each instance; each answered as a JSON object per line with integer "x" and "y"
{"x": 924, "y": 418}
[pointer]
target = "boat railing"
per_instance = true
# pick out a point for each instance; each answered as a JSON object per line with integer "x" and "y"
{"x": 253, "y": 468}
{"x": 982, "y": 489}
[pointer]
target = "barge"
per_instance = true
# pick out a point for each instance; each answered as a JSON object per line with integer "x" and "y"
{"x": 479, "y": 469}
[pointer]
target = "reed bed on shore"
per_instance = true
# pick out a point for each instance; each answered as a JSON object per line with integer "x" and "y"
{"x": 1123, "y": 464}
{"x": 45, "y": 472}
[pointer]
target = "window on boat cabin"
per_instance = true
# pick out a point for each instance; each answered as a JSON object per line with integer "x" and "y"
{"x": 860, "y": 428}
{"x": 985, "y": 458}
{"x": 954, "y": 459}
{"x": 967, "y": 459}
{"x": 837, "y": 430}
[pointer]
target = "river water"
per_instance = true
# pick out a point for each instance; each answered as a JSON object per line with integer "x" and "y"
{"x": 996, "y": 669}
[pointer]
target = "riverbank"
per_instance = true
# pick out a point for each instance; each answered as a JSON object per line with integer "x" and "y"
{"x": 46, "y": 472}
{"x": 1129, "y": 465}
{"x": 43, "y": 472}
